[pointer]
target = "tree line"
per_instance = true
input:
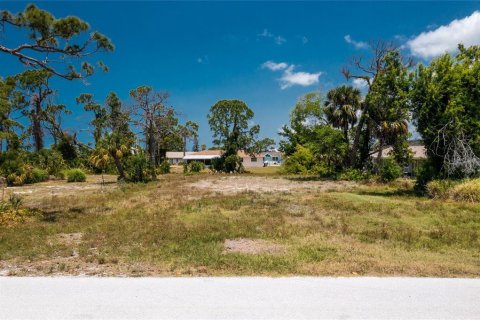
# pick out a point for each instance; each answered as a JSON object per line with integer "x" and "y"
{"x": 345, "y": 132}
{"x": 129, "y": 138}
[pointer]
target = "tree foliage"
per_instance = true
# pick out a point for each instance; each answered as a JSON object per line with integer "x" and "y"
{"x": 51, "y": 39}
{"x": 446, "y": 109}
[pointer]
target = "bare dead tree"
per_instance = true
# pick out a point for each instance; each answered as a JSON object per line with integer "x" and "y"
{"x": 456, "y": 152}
{"x": 149, "y": 106}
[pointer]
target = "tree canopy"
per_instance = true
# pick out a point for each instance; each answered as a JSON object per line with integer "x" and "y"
{"x": 52, "y": 39}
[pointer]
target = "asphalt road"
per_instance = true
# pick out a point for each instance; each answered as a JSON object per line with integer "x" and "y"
{"x": 239, "y": 298}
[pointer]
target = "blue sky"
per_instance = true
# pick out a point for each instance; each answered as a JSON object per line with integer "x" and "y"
{"x": 266, "y": 54}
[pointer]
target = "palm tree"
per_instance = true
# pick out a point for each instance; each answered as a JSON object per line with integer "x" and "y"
{"x": 111, "y": 147}
{"x": 341, "y": 108}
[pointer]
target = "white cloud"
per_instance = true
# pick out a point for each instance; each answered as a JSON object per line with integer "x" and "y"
{"x": 359, "y": 83}
{"x": 446, "y": 38}
{"x": 274, "y": 66}
{"x": 276, "y": 38}
{"x": 357, "y": 44}
{"x": 304, "y": 79}
{"x": 291, "y": 78}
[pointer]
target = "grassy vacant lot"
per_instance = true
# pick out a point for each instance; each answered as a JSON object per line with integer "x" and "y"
{"x": 231, "y": 225}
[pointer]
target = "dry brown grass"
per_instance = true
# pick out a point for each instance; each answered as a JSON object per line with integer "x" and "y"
{"x": 185, "y": 225}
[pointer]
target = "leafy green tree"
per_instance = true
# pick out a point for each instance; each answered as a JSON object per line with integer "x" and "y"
{"x": 382, "y": 56}
{"x": 36, "y": 91}
{"x": 51, "y": 40}
{"x": 388, "y": 100}
{"x": 117, "y": 141}
{"x": 329, "y": 149}
{"x": 445, "y": 103}
{"x": 229, "y": 121}
{"x": 307, "y": 114}
{"x": 7, "y": 107}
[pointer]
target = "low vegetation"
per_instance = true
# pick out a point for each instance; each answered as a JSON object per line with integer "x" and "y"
{"x": 75, "y": 175}
{"x": 174, "y": 226}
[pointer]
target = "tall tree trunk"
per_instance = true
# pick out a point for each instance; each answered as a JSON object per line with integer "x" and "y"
{"x": 37, "y": 131}
{"x": 118, "y": 164}
{"x": 356, "y": 140}
{"x": 151, "y": 151}
{"x": 184, "y": 145}
{"x": 380, "y": 152}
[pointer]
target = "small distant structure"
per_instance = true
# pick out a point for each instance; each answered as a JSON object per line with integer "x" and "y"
{"x": 419, "y": 155}
{"x": 264, "y": 159}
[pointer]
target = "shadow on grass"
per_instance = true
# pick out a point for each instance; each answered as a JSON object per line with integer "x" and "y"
{"x": 308, "y": 178}
{"x": 390, "y": 193}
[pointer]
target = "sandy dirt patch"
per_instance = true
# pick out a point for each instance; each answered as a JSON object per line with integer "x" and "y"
{"x": 54, "y": 188}
{"x": 236, "y": 184}
{"x": 68, "y": 238}
{"x": 252, "y": 246}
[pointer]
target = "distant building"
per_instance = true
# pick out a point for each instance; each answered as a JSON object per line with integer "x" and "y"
{"x": 176, "y": 157}
{"x": 263, "y": 159}
{"x": 419, "y": 154}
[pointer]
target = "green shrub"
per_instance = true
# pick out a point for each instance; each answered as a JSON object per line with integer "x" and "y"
{"x": 37, "y": 175}
{"x": 300, "y": 162}
{"x": 75, "y": 175}
{"x": 138, "y": 168}
{"x": 466, "y": 191}
{"x": 49, "y": 160}
{"x": 426, "y": 173}
{"x": 231, "y": 163}
{"x": 440, "y": 189}
{"x": 164, "y": 167}
{"x": 196, "y": 166}
{"x": 389, "y": 170}
{"x": 353, "y": 175}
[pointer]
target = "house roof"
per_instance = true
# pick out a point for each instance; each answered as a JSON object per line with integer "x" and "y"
{"x": 210, "y": 154}
{"x": 201, "y": 156}
{"x": 175, "y": 154}
{"x": 418, "y": 152}
{"x": 215, "y": 152}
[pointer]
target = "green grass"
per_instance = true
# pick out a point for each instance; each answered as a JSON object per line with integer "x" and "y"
{"x": 167, "y": 228}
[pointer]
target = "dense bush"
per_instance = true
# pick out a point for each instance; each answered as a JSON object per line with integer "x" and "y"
{"x": 49, "y": 160}
{"x": 68, "y": 150}
{"x": 466, "y": 191}
{"x": 440, "y": 189}
{"x": 138, "y": 168}
{"x": 37, "y": 175}
{"x": 193, "y": 167}
{"x": 425, "y": 174}
{"x": 389, "y": 170}
{"x": 18, "y": 169}
{"x": 300, "y": 162}
{"x": 75, "y": 175}
{"x": 164, "y": 167}
{"x": 231, "y": 163}
{"x": 196, "y": 166}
